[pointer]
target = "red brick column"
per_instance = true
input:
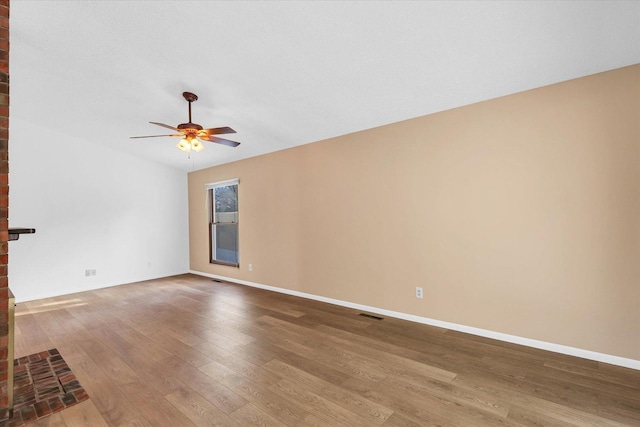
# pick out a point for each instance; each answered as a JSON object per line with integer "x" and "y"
{"x": 4, "y": 203}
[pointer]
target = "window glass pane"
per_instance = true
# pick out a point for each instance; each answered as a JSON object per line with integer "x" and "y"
{"x": 226, "y": 204}
{"x": 224, "y": 225}
{"x": 225, "y": 239}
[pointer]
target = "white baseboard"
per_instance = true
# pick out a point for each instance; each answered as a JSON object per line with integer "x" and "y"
{"x": 57, "y": 291}
{"x": 543, "y": 345}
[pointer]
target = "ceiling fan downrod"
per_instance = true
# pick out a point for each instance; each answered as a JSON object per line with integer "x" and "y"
{"x": 190, "y": 97}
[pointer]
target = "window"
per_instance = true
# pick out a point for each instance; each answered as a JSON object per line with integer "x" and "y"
{"x": 223, "y": 222}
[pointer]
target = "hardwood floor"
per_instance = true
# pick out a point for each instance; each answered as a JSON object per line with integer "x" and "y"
{"x": 187, "y": 351}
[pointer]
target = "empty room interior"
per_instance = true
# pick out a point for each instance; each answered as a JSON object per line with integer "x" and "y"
{"x": 320, "y": 213}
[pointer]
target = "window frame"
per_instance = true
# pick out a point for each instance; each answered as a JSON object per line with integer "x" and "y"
{"x": 211, "y": 187}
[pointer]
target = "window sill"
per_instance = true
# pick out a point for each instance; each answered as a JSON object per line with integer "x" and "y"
{"x": 228, "y": 264}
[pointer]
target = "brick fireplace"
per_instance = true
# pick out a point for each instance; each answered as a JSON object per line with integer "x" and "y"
{"x": 4, "y": 208}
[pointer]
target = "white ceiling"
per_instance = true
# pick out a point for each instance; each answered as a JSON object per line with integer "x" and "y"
{"x": 289, "y": 73}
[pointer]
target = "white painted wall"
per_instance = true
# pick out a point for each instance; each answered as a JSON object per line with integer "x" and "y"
{"x": 92, "y": 208}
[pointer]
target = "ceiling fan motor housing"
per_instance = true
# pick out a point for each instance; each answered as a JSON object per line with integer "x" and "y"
{"x": 190, "y": 126}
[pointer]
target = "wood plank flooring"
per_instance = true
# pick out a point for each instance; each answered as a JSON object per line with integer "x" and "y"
{"x": 188, "y": 351}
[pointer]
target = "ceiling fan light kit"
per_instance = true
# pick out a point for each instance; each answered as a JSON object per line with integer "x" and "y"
{"x": 188, "y": 144}
{"x": 193, "y": 134}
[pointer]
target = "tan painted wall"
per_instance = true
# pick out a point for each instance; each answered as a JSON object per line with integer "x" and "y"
{"x": 519, "y": 215}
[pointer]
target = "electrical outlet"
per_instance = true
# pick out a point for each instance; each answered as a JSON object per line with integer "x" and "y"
{"x": 87, "y": 273}
{"x": 250, "y": 267}
{"x": 93, "y": 272}
{"x": 418, "y": 292}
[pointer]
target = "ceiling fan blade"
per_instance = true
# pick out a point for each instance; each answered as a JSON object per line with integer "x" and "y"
{"x": 218, "y": 131}
{"x": 163, "y": 125}
{"x": 154, "y": 136}
{"x": 222, "y": 141}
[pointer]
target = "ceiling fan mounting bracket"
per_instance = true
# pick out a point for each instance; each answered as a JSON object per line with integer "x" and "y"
{"x": 190, "y": 97}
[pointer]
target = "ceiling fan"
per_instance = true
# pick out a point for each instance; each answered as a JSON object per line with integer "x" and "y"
{"x": 192, "y": 133}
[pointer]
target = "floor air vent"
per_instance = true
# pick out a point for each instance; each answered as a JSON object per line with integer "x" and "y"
{"x": 216, "y": 280}
{"x": 371, "y": 316}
